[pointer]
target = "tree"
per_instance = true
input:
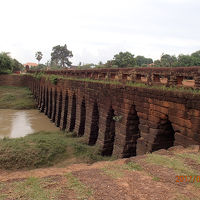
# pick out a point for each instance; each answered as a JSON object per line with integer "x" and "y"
{"x": 185, "y": 60}
{"x": 17, "y": 66}
{"x": 141, "y": 60}
{"x": 38, "y": 56}
{"x": 168, "y": 60}
{"x": 124, "y": 59}
{"x": 6, "y": 63}
{"x": 196, "y": 58}
{"x": 60, "y": 56}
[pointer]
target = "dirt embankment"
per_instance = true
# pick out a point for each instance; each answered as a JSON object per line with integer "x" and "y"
{"x": 165, "y": 174}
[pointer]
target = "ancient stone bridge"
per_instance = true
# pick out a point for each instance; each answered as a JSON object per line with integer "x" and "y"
{"x": 115, "y": 110}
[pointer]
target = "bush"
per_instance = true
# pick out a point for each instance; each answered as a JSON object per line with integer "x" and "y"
{"x": 31, "y": 151}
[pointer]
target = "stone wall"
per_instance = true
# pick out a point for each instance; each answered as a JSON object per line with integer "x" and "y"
{"x": 176, "y": 76}
{"x": 13, "y": 80}
{"x": 122, "y": 120}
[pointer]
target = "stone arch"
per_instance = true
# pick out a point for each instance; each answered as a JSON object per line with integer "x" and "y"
{"x": 82, "y": 118}
{"x": 65, "y": 112}
{"x": 43, "y": 100}
{"x": 109, "y": 137}
{"x": 164, "y": 135}
{"x": 73, "y": 113}
{"x": 132, "y": 133}
{"x": 46, "y": 101}
{"x": 50, "y": 104}
{"x": 59, "y": 109}
{"x": 40, "y": 97}
{"x": 54, "y": 106}
{"x": 94, "y": 130}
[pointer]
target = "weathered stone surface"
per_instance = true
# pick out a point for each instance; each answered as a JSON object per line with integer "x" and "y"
{"x": 123, "y": 120}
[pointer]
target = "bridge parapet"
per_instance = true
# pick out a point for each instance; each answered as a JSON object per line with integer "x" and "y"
{"x": 180, "y": 76}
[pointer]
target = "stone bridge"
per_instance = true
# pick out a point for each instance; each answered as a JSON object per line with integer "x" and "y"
{"x": 124, "y": 119}
{"x": 125, "y": 111}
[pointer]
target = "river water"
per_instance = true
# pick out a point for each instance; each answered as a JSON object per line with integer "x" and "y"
{"x": 18, "y": 123}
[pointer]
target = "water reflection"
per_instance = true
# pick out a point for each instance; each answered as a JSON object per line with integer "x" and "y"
{"x": 15, "y": 123}
{"x": 21, "y": 125}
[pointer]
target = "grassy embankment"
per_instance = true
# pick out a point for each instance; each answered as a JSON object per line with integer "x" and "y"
{"x": 43, "y": 148}
{"x": 16, "y": 98}
{"x": 46, "y": 149}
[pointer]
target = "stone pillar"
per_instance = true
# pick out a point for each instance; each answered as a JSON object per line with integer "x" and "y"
{"x": 197, "y": 82}
{"x": 171, "y": 81}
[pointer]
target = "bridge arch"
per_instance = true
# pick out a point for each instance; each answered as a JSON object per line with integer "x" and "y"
{"x": 94, "y": 130}
{"x": 109, "y": 136}
{"x": 65, "y": 111}
{"x": 82, "y": 118}
{"x": 54, "y": 106}
{"x": 73, "y": 113}
{"x": 132, "y": 133}
{"x": 50, "y": 104}
{"x": 59, "y": 109}
{"x": 46, "y": 101}
{"x": 164, "y": 135}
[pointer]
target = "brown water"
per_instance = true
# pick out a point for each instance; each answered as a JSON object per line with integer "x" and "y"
{"x": 18, "y": 123}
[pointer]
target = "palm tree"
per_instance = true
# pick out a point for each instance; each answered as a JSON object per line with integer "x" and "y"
{"x": 38, "y": 56}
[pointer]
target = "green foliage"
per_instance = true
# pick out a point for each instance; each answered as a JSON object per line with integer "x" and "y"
{"x": 38, "y": 56}
{"x": 124, "y": 59}
{"x": 180, "y": 61}
{"x": 141, "y": 61}
{"x": 40, "y": 67}
{"x": 45, "y": 149}
{"x": 53, "y": 79}
{"x": 38, "y": 75}
{"x": 17, "y": 66}
{"x": 35, "y": 150}
{"x": 6, "y": 64}
{"x": 60, "y": 56}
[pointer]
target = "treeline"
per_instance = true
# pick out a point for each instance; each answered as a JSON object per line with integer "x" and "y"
{"x": 8, "y": 64}
{"x": 126, "y": 59}
{"x": 182, "y": 60}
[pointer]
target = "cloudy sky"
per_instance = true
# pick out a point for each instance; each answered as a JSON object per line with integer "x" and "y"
{"x": 96, "y": 30}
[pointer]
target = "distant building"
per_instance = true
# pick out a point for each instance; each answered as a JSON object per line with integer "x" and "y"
{"x": 29, "y": 65}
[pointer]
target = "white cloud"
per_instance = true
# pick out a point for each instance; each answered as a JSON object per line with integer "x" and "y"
{"x": 96, "y": 30}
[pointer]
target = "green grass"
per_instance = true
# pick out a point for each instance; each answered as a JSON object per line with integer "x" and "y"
{"x": 133, "y": 166}
{"x": 29, "y": 189}
{"x": 117, "y": 171}
{"x": 45, "y": 149}
{"x": 174, "y": 163}
{"x": 114, "y": 171}
{"x": 16, "y": 98}
{"x": 195, "y": 157}
{"x": 80, "y": 189}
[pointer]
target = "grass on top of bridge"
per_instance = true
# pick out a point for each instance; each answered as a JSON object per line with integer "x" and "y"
{"x": 54, "y": 79}
{"x": 16, "y": 98}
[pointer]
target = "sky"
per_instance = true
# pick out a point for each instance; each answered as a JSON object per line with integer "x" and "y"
{"x": 96, "y": 30}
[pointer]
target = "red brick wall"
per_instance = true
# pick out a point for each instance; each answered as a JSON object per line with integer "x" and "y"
{"x": 123, "y": 120}
{"x": 12, "y": 80}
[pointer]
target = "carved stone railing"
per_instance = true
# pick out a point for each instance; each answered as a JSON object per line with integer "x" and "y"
{"x": 180, "y": 76}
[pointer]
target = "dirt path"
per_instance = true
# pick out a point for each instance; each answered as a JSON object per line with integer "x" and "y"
{"x": 149, "y": 177}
